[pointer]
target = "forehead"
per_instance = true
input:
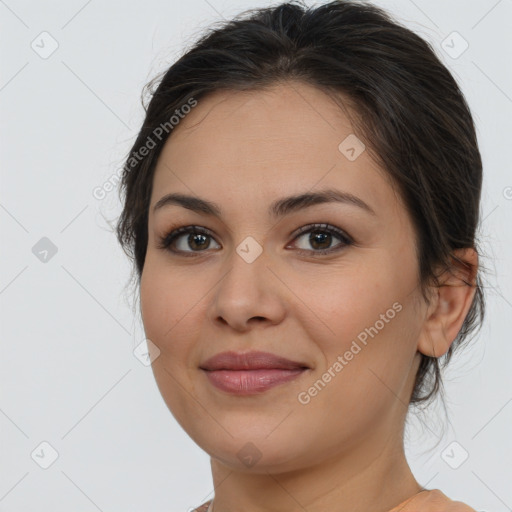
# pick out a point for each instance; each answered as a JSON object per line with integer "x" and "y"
{"x": 265, "y": 142}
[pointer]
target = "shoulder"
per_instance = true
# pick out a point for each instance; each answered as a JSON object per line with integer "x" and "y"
{"x": 432, "y": 501}
{"x": 436, "y": 499}
{"x": 204, "y": 507}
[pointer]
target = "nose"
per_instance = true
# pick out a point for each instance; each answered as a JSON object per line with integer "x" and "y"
{"x": 249, "y": 293}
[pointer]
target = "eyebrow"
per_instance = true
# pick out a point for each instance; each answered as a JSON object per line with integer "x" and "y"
{"x": 279, "y": 208}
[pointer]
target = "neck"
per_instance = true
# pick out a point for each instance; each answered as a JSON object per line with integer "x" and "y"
{"x": 364, "y": 479}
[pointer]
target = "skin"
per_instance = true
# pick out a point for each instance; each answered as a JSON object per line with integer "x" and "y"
{"x": 344, "y": 449}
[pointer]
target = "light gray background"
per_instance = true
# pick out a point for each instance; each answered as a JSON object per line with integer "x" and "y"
{"x": 68, "y": 373}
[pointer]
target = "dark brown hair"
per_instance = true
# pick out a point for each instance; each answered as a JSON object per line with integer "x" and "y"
{"x": 411, "y": 115}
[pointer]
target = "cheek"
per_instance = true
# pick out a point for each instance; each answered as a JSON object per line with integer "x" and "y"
{"x": 167, "y": 304}
{"x": 170, "y": 302}
{"x": 345, "y": 301}
{"x": 153, "y": 301}
{"x": 364, "y": 313}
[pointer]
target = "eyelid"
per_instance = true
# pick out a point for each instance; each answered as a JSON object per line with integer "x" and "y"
{"x": 321, "y": 226}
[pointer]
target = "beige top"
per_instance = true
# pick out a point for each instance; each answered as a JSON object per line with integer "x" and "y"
{"x": 431, "y": 501}
{"x": 425, "y": 501}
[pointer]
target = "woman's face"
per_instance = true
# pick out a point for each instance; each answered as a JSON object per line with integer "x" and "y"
{"x": 352, "y": 316}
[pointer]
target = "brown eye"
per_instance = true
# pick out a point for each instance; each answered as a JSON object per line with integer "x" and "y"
{"x": 321, "y": 236}
{"x": 198, "y": 240}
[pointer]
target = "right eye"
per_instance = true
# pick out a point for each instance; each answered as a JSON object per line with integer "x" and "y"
{"x": 198, "y": 237}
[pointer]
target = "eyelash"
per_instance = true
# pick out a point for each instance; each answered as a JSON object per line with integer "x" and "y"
{"x": 165, "y": 242}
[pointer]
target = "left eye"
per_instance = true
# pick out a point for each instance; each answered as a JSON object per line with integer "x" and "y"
{"x": 320, "y": 235}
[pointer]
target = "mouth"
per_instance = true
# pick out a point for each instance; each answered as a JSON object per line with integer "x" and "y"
{"x": 250, "y": 361}
{"x": 251, "y": 372}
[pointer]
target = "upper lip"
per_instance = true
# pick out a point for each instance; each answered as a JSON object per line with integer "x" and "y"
{"x": 253, "y": 360}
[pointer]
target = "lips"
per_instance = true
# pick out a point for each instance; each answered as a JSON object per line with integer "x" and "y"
{"x": 250, "y": 373}
{"x": 253, "y": 360}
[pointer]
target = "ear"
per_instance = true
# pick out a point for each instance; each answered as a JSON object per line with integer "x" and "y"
{"x": 450, "y": 304}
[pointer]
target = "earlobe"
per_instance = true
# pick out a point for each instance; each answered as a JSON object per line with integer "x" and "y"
{"x": 450, "y": 304}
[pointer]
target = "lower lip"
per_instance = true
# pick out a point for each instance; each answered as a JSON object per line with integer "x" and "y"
{"x": 249, "y": 382}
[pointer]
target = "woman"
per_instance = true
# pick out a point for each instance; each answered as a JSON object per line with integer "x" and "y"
{"x": 301, "y": 205}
